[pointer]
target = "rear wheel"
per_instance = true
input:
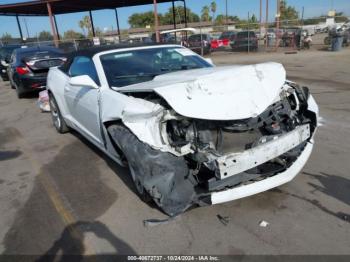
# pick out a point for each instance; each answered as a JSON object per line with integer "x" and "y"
{"x": 12, "y": 84}
{"x": 57, "y": 118}
{"x": 19, "y": 91}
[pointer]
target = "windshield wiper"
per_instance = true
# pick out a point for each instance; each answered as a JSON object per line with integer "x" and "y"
{"x": 135, "y": 76}
{"x": 183, "y": 67}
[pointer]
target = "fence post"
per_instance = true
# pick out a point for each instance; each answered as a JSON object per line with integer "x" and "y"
{"x": 200, "y": 31}
{"x": 248, "y": 33}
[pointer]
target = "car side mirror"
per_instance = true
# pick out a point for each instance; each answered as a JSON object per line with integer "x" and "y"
{"x": 209, "y": 60}
{"x": 83, "y": 80}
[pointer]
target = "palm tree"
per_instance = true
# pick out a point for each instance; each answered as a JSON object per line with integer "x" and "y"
{"x": 205, "y": 13}
{"x": 85, "y": 24}
{"x": 213, "y": 9}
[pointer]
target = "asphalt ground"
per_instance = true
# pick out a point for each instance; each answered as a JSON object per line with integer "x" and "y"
{"x": 61, "y": 195}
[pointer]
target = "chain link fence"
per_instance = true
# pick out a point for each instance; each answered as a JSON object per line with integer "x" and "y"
{"x": 204, "y": 38}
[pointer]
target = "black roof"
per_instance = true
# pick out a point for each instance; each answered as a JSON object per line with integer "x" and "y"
{"x": 91, "y": 51}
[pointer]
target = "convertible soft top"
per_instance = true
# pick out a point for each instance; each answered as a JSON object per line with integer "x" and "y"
{"x": 91, "y": 51}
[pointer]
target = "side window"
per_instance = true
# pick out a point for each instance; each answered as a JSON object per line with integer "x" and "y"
{"x": 83, "y": 65}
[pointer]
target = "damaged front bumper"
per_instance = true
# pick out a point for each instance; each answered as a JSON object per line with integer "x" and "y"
{"x": 184, "y": 161}
{"x": 265, "y": 184}
{"x": 235, "y": 163}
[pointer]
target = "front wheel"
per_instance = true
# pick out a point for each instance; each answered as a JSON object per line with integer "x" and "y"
{"x": 57, "y": 118}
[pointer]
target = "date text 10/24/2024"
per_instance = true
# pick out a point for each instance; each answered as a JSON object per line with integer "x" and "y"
{"x": 173, "y": 258}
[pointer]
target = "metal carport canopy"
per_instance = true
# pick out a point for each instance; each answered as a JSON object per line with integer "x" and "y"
{"x": 56, "y": 7}
{"x": 39, "y": 8}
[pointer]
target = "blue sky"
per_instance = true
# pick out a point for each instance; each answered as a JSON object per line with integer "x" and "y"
{"x": 106, "y": 18}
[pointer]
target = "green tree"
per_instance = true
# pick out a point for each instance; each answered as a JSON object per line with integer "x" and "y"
{"x": 246, "y": 24}
{"x": 213, "y": 9}
{"x": 85, "y": 25}
{"x": 205, "y": 14}
{"x": 71, "y": 34}
{"x": 167, "y": 18}
{"x": 98, "y": 32}
{"x": 6, "y": 37}
{"x": 314, "y": 20}
{"x": 341, "y": 18}
{"x": 45, "y": 36}
{"x": 142, "y": 19}
{"x": 221, "y": 19}
{"x": 288, "y": 13}
{"x": 253, "y": 19}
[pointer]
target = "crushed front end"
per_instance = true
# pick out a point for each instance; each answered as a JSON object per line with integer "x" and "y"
{"x": 214, "y": 161}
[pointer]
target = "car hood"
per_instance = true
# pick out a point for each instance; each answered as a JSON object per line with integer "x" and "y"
{"x": 218, "y": 93}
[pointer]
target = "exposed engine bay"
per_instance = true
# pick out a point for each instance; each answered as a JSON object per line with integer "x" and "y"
{"x": 202, "y": 153}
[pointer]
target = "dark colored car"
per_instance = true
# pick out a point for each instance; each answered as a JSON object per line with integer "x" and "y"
{"x": 29, "y": 66}
{"x": 163, "y": 38}
{"x": 227, "y": 35}
{"x": 244, "y": 40}
{"x": 5, "y": 53}
{"x": 195, "y": 43}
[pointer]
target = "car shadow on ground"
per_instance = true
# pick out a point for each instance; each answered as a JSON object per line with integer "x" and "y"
{"x": 122, "y": 172}
{"x": 6, "y": 155}
{"x": 332, "y": 185}
{"x": 71, "y": 243}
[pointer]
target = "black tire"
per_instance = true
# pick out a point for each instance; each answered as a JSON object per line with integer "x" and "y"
{"x": 157, "y": 175}
{"x": 19, "y": 91}
{"x": 57, "y": 119}
{"x": 143, "y": 194}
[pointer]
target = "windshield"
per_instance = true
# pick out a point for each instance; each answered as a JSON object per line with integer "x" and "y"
{"x": 40, "y": 54}
{"x": 136, "y": 66}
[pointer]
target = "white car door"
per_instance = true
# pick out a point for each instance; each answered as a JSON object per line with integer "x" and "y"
{"x": 82, "y": 101}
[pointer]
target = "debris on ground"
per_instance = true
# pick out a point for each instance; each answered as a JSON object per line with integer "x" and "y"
{"x": 223, "y": 220}
{"x": 264, "y": 223}
{"x": 43, "y": 101}
{"x": 157, "y": 222}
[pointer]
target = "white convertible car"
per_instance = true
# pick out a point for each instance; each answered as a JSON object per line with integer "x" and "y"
{"x": 191, "y": 133}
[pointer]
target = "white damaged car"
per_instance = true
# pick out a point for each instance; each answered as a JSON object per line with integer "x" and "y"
{"x": 190, "y": 133}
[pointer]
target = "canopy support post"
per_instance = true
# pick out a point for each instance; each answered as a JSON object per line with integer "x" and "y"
{"x": 174, "y": 17}
{"x": 58, "y": 34}
{"x": 117, "y": 19}
{"x": 19, "y": 28}
{"x": 185, "y": 9}
{"x": 54, "y": 33}
{"x": 156, "y": 24}
{"x": 92, "y": 24}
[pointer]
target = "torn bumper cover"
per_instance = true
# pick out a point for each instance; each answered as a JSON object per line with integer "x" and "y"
{"x": 263, "y": 185}
{"x": 183, "y": 159}
{"x": 236, "y": 163}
